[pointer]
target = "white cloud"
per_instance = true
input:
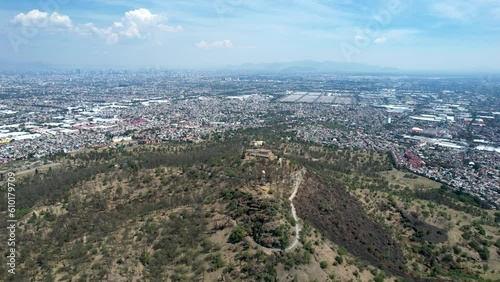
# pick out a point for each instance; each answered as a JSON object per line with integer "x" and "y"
{"x": 131, "y": 31}
{"x": 226, "y": 43}
{"x": 385, "y": 35}
{"x": 202, "y": 44}
{"x": 141, "y": 16}
{"x": 42, "y": 20}
{"x": 395, "y": 34}
{"x": 135, "y": 24}
{"x": 107, "y": 34}
{"x": 33, "y": 17}
{"x": 380, "y": 40}
{"x": 60, "y": 20}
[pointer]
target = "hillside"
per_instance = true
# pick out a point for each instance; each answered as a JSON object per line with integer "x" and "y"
{"x": 208, "y": 212}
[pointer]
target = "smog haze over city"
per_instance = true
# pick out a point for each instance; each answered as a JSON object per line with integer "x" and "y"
{"x": 237, "y": 140}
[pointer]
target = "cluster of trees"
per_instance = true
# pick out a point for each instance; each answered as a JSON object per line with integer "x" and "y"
{"x": 97, "y": 219}
{"x": 260, "y": 219}
{"x": 456, "y": 200}
{"x": 180, "y": 240}
{"x": 344, "y": 162}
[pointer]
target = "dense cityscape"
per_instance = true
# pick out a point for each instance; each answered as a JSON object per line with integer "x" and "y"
{"x": 442, "y": 127}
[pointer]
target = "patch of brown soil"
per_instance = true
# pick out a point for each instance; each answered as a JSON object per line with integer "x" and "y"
{"x": 338, "y": 215}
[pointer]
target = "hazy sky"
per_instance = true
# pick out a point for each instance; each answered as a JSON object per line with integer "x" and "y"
{"x": 407, "y": 34}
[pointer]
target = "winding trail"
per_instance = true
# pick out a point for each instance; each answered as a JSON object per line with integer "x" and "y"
{"x": 298, "y": 180}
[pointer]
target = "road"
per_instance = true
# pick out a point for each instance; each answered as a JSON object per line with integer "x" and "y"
{"x": 298, "y": 180}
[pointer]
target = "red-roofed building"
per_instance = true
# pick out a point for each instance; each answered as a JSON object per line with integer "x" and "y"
{"x": 413, "y": 160}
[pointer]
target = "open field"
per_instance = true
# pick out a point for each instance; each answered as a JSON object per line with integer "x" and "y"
{"x": 398, "y": 177}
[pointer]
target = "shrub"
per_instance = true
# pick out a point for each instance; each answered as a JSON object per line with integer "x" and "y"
{"x": 379, "y": 278}
{"x": 342, "y": 251}
{"x": 237, "y": 235}
{"x": 216, "y": 262}
{"x": 467, "y": 235}
{"x": 497, "y": 243}
{"x": 484, "y": 253}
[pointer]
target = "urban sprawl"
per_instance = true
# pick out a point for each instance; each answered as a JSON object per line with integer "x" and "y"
{"x": 445, "y": 128}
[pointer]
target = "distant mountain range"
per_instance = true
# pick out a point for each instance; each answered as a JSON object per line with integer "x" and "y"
{"x": 307, "y": 66}
{"x": 298, "y": 67}
{"x": 310, "y": 66}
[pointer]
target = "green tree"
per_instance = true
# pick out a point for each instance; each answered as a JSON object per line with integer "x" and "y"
{"x": 237, "y": 234}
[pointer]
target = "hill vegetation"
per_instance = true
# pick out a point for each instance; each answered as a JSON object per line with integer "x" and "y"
{"x": 205, "y": 212}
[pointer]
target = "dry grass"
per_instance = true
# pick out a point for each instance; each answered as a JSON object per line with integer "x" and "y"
{"x": 397, "y": 177}
{"x": 437, "y": 215}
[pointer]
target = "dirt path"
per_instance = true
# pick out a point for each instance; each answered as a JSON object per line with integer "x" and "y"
{"x": 298, "y": 180}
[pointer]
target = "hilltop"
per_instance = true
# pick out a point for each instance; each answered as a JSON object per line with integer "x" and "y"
{"x": 220, "y": 211}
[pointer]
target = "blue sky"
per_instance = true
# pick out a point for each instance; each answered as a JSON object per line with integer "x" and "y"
{"x": 460, "y": 35}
